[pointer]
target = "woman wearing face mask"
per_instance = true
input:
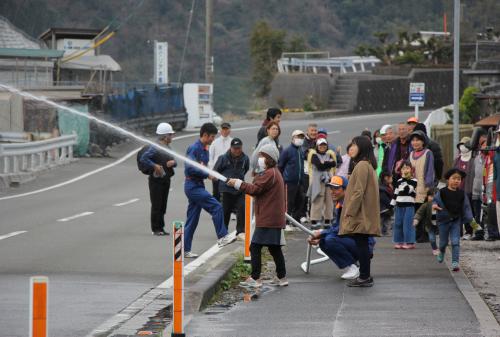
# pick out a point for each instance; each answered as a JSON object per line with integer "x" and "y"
{"x": 268, "y": 191}
{"x": 465, "y": 163}
{"x": 322, "y": 163}
{"x": 273, "y": 132}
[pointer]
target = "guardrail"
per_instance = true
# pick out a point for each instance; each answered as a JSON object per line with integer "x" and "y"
{"x": 341, "y": 64}
{"x": 34, "y": 156}
{"x": 14, "y": 137}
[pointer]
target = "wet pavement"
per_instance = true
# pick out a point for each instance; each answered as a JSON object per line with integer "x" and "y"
{"x": 413, "y": 295}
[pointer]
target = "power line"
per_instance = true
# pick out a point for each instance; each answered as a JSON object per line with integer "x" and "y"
{"x": 186, "y": 41}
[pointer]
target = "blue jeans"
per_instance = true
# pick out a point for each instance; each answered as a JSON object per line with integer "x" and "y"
{"x": 403, "y": 231}
{"x": 341, "y": 250}
{"x": 450, "y": 231}
{"x": 199, "y": 198}
{"x": 432, "y": 238}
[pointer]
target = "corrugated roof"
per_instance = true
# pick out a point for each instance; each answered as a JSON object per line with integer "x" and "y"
{"x": 31, "y": 53}
{"x": 13, "y": 37}
{"x": 89, "y": 62}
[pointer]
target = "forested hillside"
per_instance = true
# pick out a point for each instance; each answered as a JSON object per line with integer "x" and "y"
{"x": 337, "y": 26}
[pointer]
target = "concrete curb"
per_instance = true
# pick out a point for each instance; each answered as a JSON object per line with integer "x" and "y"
{"x": 487, "y": 322}
{"x": 205, "y": 282}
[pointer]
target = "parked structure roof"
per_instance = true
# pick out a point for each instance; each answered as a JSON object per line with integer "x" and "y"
{"x": 13, "y": 37}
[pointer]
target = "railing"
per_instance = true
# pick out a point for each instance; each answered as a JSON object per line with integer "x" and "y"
{"x": 341, "y": 64}
{"x": 33, "y": 156}
{"x": 14, "y": 137}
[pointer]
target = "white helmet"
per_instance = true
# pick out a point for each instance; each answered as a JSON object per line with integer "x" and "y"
{"x": 164, "y": 129}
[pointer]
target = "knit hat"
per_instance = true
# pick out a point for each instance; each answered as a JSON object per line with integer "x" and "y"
{"x": 272, "y": 151}
{"x": 420, "y": 135}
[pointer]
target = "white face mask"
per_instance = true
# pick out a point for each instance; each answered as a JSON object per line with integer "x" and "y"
{"x": 261, "y": 163}
{"x": 463, "y": 149}
{"x": 298, "y": 141}
{"x": 378, "y": 140}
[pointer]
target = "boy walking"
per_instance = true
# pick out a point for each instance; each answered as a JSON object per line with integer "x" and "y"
{"x": 198, "y": 196}
{"x": 453, "y": 210}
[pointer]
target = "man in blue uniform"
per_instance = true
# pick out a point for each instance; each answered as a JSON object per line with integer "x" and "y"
{"x": 198, "y": 196}
{"x": 340, "y": 249}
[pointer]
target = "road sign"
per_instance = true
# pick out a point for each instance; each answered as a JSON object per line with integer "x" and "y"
{"x": 417, "y": 94}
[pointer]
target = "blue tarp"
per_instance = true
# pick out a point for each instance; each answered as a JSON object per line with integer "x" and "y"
{"x": 145, "y": 102}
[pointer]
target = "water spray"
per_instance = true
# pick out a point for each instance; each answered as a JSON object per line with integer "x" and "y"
{"x": 116, "y": 128}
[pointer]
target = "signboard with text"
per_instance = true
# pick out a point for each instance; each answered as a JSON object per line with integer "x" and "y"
{"x": 417, "y": 94}
{"x": 161, "y": 62}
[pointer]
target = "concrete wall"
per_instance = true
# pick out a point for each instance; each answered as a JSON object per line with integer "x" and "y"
{"x": 11, "y": 112}
{"x": 295, "y": 88}
{"x": 392, "y": 94}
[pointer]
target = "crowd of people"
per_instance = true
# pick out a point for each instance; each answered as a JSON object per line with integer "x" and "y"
{"x": 387, "y": 183}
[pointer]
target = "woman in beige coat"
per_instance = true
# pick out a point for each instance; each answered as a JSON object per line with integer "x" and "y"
{"x": 360, "y": 216}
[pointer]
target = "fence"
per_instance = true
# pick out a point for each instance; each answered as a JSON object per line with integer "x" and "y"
{"x": 33, "y": 156}
{"x": 443, "y": 135}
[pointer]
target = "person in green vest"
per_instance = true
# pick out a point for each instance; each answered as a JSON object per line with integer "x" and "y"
{"x": 382, "y": 147}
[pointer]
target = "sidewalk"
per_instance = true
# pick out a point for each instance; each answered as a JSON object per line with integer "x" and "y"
{"x": 413, "y": 295}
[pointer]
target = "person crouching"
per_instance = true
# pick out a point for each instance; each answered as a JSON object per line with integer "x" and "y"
{"x": 268, "y": 189}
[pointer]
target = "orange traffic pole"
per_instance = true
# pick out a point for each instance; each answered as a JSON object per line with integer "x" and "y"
{"x": 39, "y": 286}
{"x": 248, "y": 227}
{"x": 178, "y": 258}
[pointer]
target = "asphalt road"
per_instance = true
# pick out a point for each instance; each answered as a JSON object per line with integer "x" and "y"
{"x": 98, "y": 256}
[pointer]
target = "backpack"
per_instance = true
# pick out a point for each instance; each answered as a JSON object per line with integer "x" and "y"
{"x": 145, "y": 169}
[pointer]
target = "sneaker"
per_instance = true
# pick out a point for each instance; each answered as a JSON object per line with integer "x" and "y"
{"x": 280, "y": 282}
{"x": 251, "y": 283}
{"x": 303, "y": 220}
{"x": 408, "y": 246}
{"x": 455, "y": 266}
{"x": 351, "y": 273}
{"x": 467, "y": 237}
{"x": 435, "y": 252}
{"x": 190, "y": 255}
{"x": 440, "y": 257}
{"x": 240, "y": 237}
{"x": 160, "y": 233}
{"x": 398, "y": 246}
{"x": 224, "y": 241}
{"x": 359, "y": 283}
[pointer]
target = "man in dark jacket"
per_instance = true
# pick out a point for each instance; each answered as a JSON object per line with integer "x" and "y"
{"x": 233, "y": 164}
{"x": 399, "y": 151}
{"x": 291, "y": 165}
{"x": 159, "y": 181}
{"x": 436, "y": 152}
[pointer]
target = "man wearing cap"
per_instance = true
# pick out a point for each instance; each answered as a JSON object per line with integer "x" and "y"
{"x": 219, "y": 146}
{"x": 233, "y": 164}
{"x": 383, "y": 147}
{"x": 341, "y": 250}
{"x": 411, "y": 122}
{"x": 162, "y": 166}
{"x": 291, "y": 165}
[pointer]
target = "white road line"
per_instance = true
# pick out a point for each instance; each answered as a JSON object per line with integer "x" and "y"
{"x": 75, "y": 216}
{"x": 88, "y": 174}
{"x": 332, "y": 132}
{"x": 126, "y": 202}
{"x": 6, "y": 236}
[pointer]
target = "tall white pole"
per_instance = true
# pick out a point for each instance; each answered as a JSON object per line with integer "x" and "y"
{"x": 456, "y": 72}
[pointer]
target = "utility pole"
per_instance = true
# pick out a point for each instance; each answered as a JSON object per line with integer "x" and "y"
{"x": 209, "y": 60}
{"x": 456, "y": 72}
